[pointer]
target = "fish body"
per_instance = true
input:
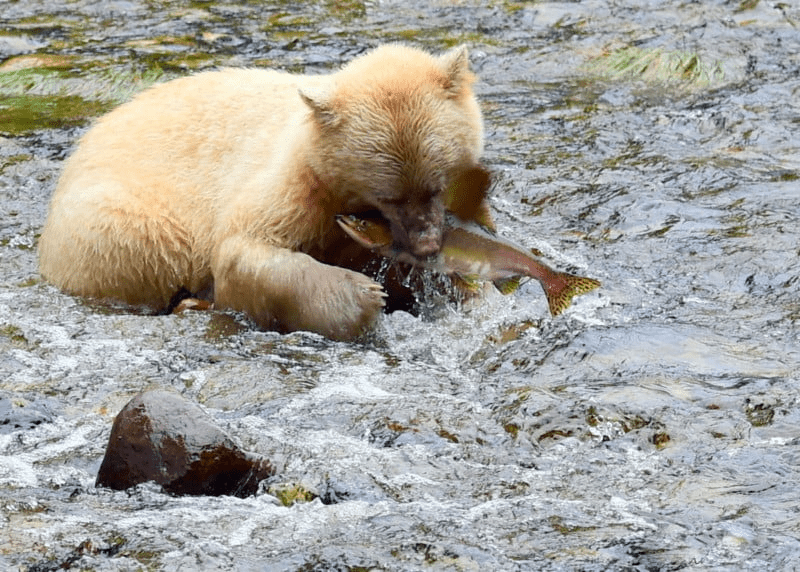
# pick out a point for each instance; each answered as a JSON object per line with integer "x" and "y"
{"x": 474, "y": 254}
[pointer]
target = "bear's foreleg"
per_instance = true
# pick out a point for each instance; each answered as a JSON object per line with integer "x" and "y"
{"x": 288, "y": 291}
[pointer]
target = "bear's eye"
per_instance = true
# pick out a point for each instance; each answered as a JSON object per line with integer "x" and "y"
{"x": 428, "y": 195}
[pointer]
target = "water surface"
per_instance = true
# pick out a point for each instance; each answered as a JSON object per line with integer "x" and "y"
{"x": 653, "y": 146}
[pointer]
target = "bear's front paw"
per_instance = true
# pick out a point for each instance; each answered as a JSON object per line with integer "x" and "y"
{"x": 340, "y": 304}
{"x": 360, "y": 300}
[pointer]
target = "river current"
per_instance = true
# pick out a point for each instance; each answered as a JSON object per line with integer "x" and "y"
{"x": 654, "y": 146}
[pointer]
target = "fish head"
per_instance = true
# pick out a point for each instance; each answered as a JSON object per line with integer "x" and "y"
{"x": 373, "y": 233}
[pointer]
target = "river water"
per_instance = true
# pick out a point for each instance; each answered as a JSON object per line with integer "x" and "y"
{"x": 654, "y": 426}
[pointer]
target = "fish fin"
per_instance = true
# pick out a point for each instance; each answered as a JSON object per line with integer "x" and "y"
{"x": 470, "y": 284}
{"x": 483, "y": 217}
{"x": 561, "y": 292}
{"x": 466, "y": 194}
{"x": 508, "y": 285}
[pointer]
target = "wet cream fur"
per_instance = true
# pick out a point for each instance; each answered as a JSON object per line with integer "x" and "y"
{"x": 226, "y": 184}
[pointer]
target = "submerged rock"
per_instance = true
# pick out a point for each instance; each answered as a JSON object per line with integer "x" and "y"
{"x": 20, "y": 414}
{"x": 160, "y": 436}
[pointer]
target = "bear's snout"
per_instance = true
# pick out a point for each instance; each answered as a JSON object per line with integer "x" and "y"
{"x": 426, "y": 243}
{"x": 418, "y": 228}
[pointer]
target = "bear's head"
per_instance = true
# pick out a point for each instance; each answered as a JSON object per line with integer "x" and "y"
{"x": 393, "y": 129}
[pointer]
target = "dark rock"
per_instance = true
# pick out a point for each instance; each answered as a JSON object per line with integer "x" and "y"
{"x": 160, "y": 436}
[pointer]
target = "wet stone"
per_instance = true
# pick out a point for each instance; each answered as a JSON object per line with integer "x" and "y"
{"x": 160, "y": 436}
{"x": 21, "y": 415}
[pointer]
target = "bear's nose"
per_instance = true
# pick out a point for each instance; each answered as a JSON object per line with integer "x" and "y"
{"x": 427, "y": 245}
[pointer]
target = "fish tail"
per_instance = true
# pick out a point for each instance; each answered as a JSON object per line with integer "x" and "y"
{"x": 564, "y": 287}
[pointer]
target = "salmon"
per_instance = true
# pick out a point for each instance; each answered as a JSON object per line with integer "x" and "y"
{"x": 474, "y": 255}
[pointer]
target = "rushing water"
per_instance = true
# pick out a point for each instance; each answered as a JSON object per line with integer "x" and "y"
{"x": 654, "y": 426}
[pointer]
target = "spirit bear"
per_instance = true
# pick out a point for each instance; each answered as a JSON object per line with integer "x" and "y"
{"x": 225, "y": 186}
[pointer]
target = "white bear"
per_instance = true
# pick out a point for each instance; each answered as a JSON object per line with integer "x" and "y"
{"x": 225, "y": 185}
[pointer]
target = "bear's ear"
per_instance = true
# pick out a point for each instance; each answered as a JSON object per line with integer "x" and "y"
{"x": 319, "y": 100}
{"x": 455, "y": 65}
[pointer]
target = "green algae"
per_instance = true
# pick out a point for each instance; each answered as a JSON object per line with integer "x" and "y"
{"x": 33, "y": 281}
{"x": 559, "y": 526}
{"x": 289, "y": 494}
{"x": 46, "y": 92}
{"x": 436, "y": 38}
{"x": 11, "y": 160}
{"x": 26, "y": 113}
{"x": 15, "y": 335}
{"x": 656, "y": 66}
{"x": 759, "y": 414}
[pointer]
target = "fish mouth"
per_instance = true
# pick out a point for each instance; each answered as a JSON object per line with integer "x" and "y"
{"x": 368, "y": 233}
{"x": 351, "y": 223}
